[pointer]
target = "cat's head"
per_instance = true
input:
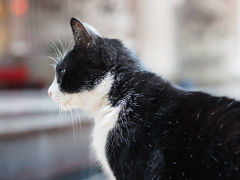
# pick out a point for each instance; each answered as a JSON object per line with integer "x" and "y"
{"x": 81, "y": 72}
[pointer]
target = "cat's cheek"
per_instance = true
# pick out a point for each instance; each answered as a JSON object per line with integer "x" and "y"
{"x": 54, "y": 92}
{"x": 66, "y": 103}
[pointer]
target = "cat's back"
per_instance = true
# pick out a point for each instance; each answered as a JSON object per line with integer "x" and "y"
{"x": 193, "y": 135}
{"x": 202, "y": 137}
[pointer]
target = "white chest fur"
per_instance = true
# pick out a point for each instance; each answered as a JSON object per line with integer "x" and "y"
{"x": 104, "y": 122}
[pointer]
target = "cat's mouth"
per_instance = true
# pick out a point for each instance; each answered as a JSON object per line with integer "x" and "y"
{"x": 64, "y": 103}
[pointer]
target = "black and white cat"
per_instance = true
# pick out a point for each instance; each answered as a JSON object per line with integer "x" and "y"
{"x": 145, "y": 128}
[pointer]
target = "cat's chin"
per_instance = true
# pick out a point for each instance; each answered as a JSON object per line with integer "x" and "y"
{"x": 66, "y": 108}
{"x": 64, "y": 105}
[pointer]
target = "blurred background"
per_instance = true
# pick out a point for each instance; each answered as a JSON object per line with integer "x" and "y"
{"x": 194, "y": 44}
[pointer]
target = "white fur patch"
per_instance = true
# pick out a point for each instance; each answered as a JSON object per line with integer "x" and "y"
{"x": 92, "y": 29}
{"x": 104, "y": 122}
{"x": 96, "y": 101}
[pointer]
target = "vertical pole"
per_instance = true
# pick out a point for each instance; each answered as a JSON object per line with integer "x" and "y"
{"x": 3, "y": 27}
{"x": 155, "y": 33}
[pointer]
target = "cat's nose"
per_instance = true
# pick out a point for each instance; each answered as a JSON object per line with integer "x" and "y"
{"x": 49, "y": 93}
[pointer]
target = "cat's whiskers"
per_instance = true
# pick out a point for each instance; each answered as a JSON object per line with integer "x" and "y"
{"x": 73, "y": 125}
{"x": 63, "y": 49}
{"x": 61, "y": 123}
{"x": 60, "y": 53}
{"x": 52, "y": 58}
{"x": 68, "y": 47}
{"x": 79, "y": 121}
{"x": 64, "y": 115}
{"x": 52, "y": 65}
{"x": 76, "y": 118}
{"x": 59, "y": 118}
{"x": 56, "y": 50}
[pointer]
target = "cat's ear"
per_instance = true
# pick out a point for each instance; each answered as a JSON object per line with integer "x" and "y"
{"x": 83, "y": 36}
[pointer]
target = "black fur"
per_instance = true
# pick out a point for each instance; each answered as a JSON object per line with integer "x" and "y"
{"x": 162, "y": 132}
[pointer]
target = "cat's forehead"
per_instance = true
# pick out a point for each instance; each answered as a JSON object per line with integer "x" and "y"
{"x": 72, "y": 58}
{"x": 64, "y": 61}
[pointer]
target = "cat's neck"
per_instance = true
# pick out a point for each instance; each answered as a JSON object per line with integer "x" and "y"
{"x": 96, "y": 100}
{"x": 131, "y": 85}
{"x": 125, "y": 86}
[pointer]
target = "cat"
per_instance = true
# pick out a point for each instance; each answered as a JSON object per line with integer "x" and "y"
{"x": 145, "y": 127}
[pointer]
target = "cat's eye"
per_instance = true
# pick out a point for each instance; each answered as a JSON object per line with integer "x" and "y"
{"x": 61, "y": 73}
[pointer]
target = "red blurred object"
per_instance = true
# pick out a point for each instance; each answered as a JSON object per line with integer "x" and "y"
{"x": 13, "y": 76}
{"x": 19, "y": 7}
